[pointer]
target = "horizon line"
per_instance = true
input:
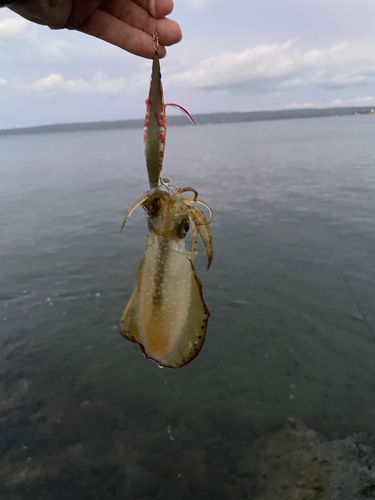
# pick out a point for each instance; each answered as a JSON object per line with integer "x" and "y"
{"x": 218, "y": 117}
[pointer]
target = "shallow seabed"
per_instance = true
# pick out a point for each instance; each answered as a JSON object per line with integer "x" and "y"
{"x": 291, "y": 293}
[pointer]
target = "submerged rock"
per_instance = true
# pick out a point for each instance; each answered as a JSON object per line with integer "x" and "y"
{"x": 299, "y": 464}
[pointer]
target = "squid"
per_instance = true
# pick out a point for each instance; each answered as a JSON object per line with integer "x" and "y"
{"x": 166, "y": 314}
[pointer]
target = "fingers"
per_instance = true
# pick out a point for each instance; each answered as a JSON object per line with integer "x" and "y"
{"x": 162, "y": 7}
{"x": 129, "y": 26}
{"x": 169, "y": 32}
{"x": 110, "y": 29}
{"x": 135, "y": 15}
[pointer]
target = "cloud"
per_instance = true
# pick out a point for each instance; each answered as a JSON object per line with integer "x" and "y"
{"x": 340, "y": 103}
{"x": 273, "y": 67}
{"x": 303, "y": 105}
{"x": 12, "y": 28}
{"x": 196, "y": 4}
{"x": 56, "y": 84}
{"x": 20, "y": 39}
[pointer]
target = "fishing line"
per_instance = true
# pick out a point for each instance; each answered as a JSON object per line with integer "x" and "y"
{"x": 347, "y": 284}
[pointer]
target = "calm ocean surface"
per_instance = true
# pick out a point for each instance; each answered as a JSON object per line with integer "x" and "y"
{"x": 291, "y": 291}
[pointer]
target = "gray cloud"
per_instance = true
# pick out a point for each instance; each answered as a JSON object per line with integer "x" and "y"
{"x": 282, "y": 65}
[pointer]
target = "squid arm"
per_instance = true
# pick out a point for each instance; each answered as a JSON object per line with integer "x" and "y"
{"x": 204, "y": 231}
{"x": 132, "y": 209}
{"x": 201, "y": 202}
{"x": 194, "y": 239}
{"x": 180, "y": 191}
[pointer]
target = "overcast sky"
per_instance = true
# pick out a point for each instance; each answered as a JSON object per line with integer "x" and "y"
{"x": 236, "y": 55}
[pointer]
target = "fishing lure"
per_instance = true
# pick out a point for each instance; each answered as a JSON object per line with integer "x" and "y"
{"x": 166, "y": 314}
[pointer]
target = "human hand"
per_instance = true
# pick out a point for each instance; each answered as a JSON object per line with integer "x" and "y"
{"x": 129, "y": 24}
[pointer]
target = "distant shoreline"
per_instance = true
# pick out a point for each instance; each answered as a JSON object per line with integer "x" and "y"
{"x": 200, "y": 119}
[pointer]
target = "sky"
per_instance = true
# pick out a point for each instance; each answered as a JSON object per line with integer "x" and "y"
{"x": 236, "y": 55}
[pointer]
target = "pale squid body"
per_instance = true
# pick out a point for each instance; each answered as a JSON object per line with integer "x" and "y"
{"x": 166, "y": 314}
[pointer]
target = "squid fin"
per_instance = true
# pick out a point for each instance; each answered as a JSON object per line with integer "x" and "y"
{"x": 169, "y": 331}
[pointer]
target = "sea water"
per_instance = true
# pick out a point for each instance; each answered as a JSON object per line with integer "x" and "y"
{"x": 291, "y": 290}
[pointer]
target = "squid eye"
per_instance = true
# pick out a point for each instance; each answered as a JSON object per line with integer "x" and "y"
{"x": 182, "y": 226}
